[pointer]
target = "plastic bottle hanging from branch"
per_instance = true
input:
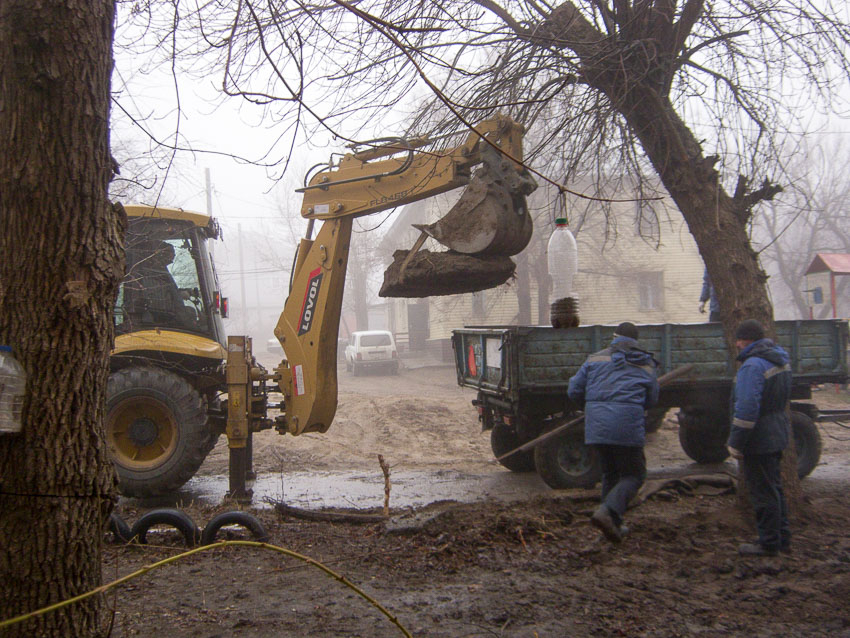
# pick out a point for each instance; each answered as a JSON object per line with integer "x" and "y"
{"x": 563, "y": 266}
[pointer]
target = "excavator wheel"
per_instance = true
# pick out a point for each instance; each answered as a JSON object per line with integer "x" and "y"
{"x": 156, "y": 428}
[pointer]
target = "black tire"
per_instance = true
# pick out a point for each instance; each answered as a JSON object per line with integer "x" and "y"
{"x": 157, "y": 431}
{"x": 807, "y": 441}
{"x": 503, "y": 439}
{"x": 565, "y": 462}
{"x": 394, "y": 367}
{"x": 703, "y": 434}
{"x": 234, "y": 518}
{"x": 654, "y": 419}
{"x": 121, "y": 532}
{"x": 175, "y": 518}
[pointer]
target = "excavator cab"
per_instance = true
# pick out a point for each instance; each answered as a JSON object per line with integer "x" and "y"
{"x": 164, "y": 411}
{"x": 170, "y": 282}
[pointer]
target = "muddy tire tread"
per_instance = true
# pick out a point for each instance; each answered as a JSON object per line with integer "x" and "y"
{"x": 502, "y": 440}
{"x": 195, "y": 440}
{"x": 547, "y": 463}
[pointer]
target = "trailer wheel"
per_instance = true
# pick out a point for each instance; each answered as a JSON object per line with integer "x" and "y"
{"x": 654, "y": 419}
{"x": 566, "y": 462}
{"x": 703, "y": 433}
{"x": 807, "y": 441}
{"x": 503, "y": 439}
{"x": 156, "y": 428}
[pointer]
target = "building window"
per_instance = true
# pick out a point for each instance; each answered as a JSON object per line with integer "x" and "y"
{"x": 651, "y": 290}
{"x": 478, "y": 304}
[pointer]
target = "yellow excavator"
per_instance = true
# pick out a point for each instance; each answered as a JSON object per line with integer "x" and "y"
{"x": 177, "y": 383}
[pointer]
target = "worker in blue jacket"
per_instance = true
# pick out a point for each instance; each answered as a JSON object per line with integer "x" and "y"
{"x": 760, "y": 432}
{"x": 708, "y": 295}
{"x": 616, "y": 386}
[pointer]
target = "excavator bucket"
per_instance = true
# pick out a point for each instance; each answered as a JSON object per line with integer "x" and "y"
{"x": 428, "y": 274}
{"x": 489, "y": 223}
{"x": 491, "y": 216}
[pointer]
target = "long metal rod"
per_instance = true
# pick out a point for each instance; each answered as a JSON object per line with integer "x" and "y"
{"x": 533, "y": 443}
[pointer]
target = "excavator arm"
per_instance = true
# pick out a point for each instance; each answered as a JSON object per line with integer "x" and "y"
{"x": 384, "y": 176}
{"x": 363, "y": 183}
{"x": 375, "y": 179}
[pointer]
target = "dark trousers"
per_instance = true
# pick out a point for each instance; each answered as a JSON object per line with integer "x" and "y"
{"x": 764, "y": 478}
{"x": 623, "y": 472}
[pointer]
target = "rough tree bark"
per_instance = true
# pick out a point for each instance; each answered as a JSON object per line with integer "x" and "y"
{"x": 62, "y": 258}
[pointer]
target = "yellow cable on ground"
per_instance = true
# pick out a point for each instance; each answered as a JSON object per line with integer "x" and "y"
{"x": 144, "y": 570}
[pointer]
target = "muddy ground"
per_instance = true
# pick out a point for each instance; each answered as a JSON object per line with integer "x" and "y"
{"x": 532, "y": 567}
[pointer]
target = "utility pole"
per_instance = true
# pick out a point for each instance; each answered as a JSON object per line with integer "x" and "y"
{"x": 209, "y": 191}
{"x": 209, "y": 206}
{"x": 243, "y": 313}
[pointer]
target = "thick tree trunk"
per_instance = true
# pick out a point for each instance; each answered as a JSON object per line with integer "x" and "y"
{"x": 61, "y": 262}
{"x": 713, "y": 218}
{"x": 718, "y": 225}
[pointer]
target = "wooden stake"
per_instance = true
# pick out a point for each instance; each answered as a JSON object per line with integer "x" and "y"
{"x": 385, "y": 468}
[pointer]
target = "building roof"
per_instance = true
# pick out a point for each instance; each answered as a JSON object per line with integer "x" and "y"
{"x": 838, "y": 263}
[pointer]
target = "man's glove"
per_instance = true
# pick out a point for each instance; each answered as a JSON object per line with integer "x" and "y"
{"x": 735, "y": 453}
{"x": 702, "y": 307}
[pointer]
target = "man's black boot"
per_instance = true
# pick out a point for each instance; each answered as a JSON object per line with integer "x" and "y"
{"x": 754, "y": 549}
{"x": 602, "y": 520}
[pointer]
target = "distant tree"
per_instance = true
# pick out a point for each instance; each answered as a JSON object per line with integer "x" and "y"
{"x": 813, "y": 217}
{"x": 62, "y": 261}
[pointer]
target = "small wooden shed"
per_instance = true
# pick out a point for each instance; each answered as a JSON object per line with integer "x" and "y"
{"x": 820, "y": 279}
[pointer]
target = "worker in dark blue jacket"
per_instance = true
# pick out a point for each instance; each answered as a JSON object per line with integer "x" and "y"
{"x": 759, "y": 433}
{"x": 616, "y": 386}
{"x": 708, "y": 295}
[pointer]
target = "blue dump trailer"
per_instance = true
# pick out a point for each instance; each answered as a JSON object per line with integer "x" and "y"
{"x": 521, "y": 374}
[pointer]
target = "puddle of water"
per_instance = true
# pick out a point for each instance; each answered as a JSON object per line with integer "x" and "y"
{"x": 363, "y": 490}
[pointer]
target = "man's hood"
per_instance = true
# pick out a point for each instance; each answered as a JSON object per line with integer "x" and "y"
{"x": 626, "y": 350}
{"x": 767, "y": 350}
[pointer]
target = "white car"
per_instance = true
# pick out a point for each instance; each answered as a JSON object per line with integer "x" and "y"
{"x": 371, "y": 349}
